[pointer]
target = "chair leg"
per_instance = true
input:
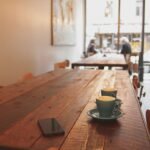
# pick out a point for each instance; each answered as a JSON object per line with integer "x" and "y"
{"x": 141, "y": 91}
{"x": 140, "y": 101}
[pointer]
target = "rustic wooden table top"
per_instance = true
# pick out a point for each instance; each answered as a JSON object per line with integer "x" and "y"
{"x": 99, "y": 60}
{"x": 68, "y": 95}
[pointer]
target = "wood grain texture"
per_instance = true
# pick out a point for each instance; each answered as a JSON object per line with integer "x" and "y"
{"x": 12, "y": 91}
{"x": 66, "y": 105}
{"x": 111, "y": 60}
{"x": 27, "y": 101}
{"x": 126, "y": 133}
{"x": 67, "y": 97}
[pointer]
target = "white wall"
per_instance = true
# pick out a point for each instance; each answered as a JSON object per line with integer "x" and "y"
{"x": 25, "y": 39}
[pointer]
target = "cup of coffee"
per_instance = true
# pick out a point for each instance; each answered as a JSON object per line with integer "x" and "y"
{"x": 106, "y": 105}
{"x": 109, "y": 92}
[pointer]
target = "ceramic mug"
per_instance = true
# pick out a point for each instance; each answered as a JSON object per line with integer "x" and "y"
{"x": 109, "y": 92}
{"x": 106, "y": 105}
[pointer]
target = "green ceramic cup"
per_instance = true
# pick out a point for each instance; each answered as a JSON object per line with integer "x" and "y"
{"x": 109, "y": 92}
{"x": 106, "y": 105}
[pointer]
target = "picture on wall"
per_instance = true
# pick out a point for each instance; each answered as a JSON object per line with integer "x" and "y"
{"x": 63, "y": 22}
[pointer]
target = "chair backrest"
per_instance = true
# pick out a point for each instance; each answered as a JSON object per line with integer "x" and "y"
{"x": 136, "y": 82}
{"x": 137, "y": 85}
{"x": 27, "y": 76}
{"x": 62, "y": 65}
{"x": 148, "y": 119}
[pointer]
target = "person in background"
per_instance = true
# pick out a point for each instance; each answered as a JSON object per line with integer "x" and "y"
{"x": 91, "y": 50}
{"x": 126, "y": 48}
{"x": 126, "y": 51}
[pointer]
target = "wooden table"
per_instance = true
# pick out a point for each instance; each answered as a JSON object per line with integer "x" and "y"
{"x": 99, "y": 60}
{"x": 68, "y": 95}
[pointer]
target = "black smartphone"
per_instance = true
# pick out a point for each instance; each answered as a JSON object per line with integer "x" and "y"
{"x": 50, "y": 126}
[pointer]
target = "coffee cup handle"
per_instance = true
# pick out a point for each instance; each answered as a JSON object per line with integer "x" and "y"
{"x": 116, "y": 108}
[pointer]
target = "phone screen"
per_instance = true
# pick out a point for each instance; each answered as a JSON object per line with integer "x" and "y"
{"x": 50, "y": 126}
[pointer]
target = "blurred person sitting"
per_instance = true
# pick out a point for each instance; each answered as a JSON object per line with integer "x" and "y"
{"x": 126, "y": 51}
{"x": 91, "y": 50}
{"x": 126, "y": 48}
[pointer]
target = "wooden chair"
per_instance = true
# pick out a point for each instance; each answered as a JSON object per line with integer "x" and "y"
{"x": 136, "y": 85}
{"x": 62, "y": 65}
{"x": 27, "y": 76}
{"x": 148, "y": 119}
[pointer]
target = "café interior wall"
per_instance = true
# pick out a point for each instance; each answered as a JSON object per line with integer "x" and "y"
{"x": 25, "y": 43}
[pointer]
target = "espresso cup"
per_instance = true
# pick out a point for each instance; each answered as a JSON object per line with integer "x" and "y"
{"x": 109, "y": 92}
{"x": 106, "y": 105}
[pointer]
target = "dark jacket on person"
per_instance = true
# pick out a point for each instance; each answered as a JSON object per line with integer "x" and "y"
{"x": 91, "y": 47}
{"x": 126, "y": 48}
